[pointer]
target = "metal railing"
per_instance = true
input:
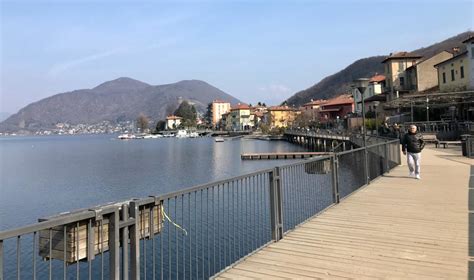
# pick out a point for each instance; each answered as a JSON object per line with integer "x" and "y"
{"x": 190, "y": 234}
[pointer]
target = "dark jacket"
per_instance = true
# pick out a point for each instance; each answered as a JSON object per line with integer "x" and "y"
{"x": 413, "y": 142}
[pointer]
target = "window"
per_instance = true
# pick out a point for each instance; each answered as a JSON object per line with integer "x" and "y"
{"x": 401, "y": 66}
{"x": 472, "y": 52}
{"x": 452, "y": 74}
{"x": 444, "y": 78}
{"x": 402, "y": 81}
{"x": 462, "y": 71}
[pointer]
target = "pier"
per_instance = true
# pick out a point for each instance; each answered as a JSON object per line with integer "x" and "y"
{"x": 283, "y": 155}
{"x": 396, "y": 227}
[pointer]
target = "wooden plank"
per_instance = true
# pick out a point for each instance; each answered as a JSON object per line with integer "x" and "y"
{"x": 396, "y": 227}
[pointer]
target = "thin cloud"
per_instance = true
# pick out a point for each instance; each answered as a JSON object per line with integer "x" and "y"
{"x": 64, "y": 66}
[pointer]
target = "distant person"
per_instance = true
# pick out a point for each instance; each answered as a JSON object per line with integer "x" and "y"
{"x": 396, "y": 131}
{"x": 412, "y": 145}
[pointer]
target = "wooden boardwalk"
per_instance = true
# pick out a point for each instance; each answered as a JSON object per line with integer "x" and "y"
{"x": 395, "y": 228}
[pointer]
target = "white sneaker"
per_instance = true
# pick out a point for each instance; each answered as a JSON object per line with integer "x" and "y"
{"x": 412, "y": 174}
{"x": 418, "y": 176}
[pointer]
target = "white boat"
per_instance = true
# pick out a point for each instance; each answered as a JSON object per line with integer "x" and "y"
{"x": 194, "y": 134}
{"x": 182, "y": 133}
{"x": 219, "y": 139}
{"x": 126, "y": 136}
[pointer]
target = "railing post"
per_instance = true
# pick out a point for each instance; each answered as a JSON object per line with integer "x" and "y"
{"x": 276, "y": 215}
{"x": 366, "y": 169}
{"x": 335, "y": 178}
{"x": 1, "y": 259}
{"x": 114, "y": 245}
{"x": 125, "y": 250}
{"x": 386, "y": 161}
{"x": 134, "y": 243}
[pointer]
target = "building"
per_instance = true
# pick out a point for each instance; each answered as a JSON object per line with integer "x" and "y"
{"x": 173, "y": 122}
{"x": 280, "y": 116}
{"x": 456, "y": 73}
{"x": 337, "y": 108}
{"x": 312, "y": 108}
{"x": 422, "y": 75}
{"x": 240, "y": 117}
{"x": 469, "y": 44}
{"x": 375, "y": 87}
{"x": 219, "y": 108}
{"x": 395, "y": 75}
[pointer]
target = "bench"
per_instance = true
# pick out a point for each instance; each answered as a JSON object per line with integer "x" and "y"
{"x": 431, "y": 138}
{"x": 447, "y": 143}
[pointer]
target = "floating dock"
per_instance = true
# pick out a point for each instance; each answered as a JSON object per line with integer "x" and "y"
{"x": 289, "y": 155}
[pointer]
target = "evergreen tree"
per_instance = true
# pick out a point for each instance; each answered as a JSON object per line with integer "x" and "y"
{"x": 187, "y": 112}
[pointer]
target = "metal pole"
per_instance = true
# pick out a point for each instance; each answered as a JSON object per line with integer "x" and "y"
{"x": 134, "y": 242}
{"x": 411, "y": 112}
{"x": 335, "y": 181}
{"x": 276, "y": 205}
{"x": 364, "y": 137}
{"x": 125, "y": 243}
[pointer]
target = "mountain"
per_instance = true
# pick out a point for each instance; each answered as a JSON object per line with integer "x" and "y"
{"x": 117, "y": 100}
{"x": 340, "y": 82}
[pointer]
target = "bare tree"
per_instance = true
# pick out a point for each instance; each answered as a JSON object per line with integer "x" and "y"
{"x": 142, "y": 122}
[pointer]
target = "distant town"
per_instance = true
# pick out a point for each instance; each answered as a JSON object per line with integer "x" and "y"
{"x": 412, "y": 88}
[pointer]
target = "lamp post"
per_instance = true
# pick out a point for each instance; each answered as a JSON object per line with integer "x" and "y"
{"x": 427, "y": 110}
{"x": 361, "y": 84}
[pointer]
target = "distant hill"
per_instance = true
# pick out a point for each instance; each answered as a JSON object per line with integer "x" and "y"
{"x": 366, "y": 67}
{"x": 117, "y": 100}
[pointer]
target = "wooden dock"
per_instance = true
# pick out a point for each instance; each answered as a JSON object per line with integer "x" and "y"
{"x": 395, "y": 228}
{"x": 288, "y": 155}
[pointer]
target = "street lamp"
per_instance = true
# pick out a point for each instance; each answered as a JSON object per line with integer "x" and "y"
{"x": 361, "y": 84}
{"x": 427, "y": 110}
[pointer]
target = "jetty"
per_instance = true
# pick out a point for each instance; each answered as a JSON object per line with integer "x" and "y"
{"x": 395, "y": 228}
{"x": 282, "y": 155}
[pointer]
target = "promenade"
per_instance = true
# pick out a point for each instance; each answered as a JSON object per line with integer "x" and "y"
{"x": 395, "y": 228}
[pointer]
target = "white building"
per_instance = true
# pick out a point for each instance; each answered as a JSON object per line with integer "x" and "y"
{"x": 173, "y": 122}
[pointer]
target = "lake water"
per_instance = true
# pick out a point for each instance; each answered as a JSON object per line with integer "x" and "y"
{"x": 42, "y": 176}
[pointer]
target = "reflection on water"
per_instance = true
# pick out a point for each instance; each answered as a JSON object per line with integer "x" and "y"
{"x": 41, "y": 176}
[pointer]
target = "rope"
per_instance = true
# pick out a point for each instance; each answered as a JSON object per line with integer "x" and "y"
{"x": 165, "y": 216}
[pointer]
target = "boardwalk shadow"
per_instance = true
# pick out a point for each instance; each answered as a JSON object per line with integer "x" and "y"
{"x": 396, "y": 176}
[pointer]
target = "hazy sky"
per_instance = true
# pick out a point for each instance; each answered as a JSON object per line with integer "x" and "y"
{"x": 254, "y": 50}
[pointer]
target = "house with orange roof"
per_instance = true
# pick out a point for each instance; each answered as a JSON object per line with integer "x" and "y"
{"x": 280, "y": 116}
{"x": 173, "y": 122}
{"x": 337, "y": 108}
{"x": 240, "y": 117}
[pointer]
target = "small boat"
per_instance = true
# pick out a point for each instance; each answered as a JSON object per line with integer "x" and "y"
{"x": 182, "y": 134}
{"x": 194, "y": 135}
{"x": 219, "y": 139}
{"x": 126, "y": 136}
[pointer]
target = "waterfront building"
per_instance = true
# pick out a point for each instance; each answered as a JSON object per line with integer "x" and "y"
{"x": 173, "y": 122}
{"x": 395, "y": 75}
{"x": 457, "y": 72}
{"x": 240, "y": 117}
{"x": 422, "y": 75}
{"x": 219, "y": 107}
{"x": 313, "y": 108}
{"x": 337, "y": 108}
{"x": 280, "y": 116}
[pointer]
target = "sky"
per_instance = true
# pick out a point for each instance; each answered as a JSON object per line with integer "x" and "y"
{"x": 254, "y": 50}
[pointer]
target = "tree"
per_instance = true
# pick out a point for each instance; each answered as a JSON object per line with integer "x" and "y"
{"x": 142, "y": 122}
{"x": 208, "y": 114}
{"x": 259, "y": 103}
{"x": 187, "y": 112}
{"x": 160, "y": 125}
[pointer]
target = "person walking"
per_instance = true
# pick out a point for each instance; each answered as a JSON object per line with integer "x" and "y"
{"x": 412, "y": 145}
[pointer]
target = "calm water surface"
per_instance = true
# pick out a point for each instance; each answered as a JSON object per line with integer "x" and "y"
{"x": 42, "y": 176}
